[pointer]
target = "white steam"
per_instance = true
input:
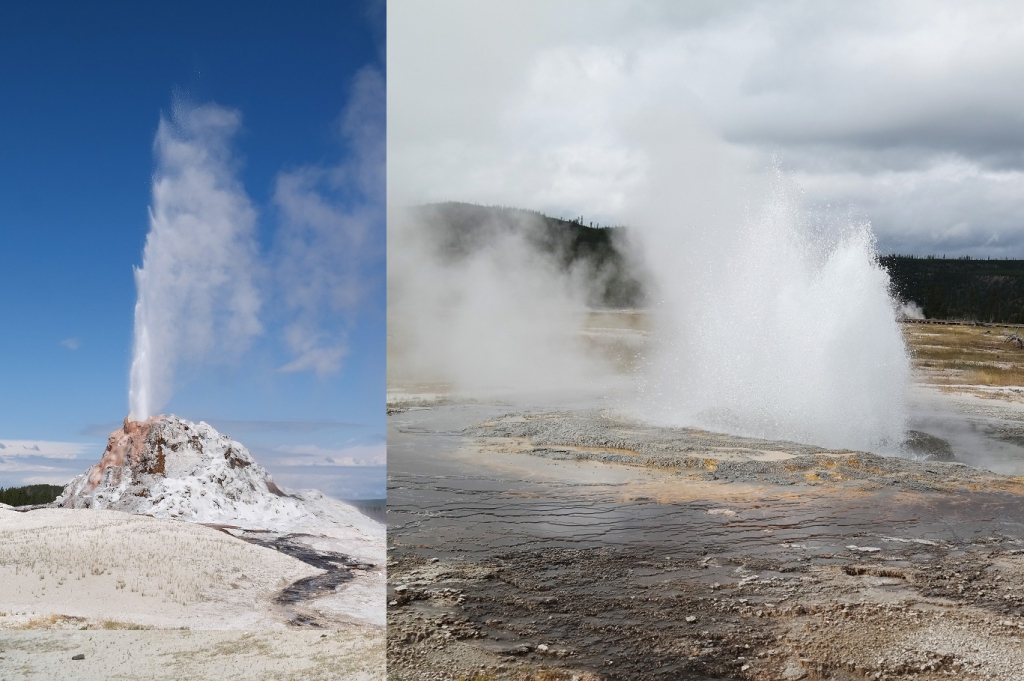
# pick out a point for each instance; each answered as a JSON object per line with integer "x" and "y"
{"x": 203, "y": 282}
{"x": 764, "y": 320}
{"x": 196, "y": 292}
{"x": 770, "y": 323}
{"x": 505, "y": 317}
{"x": 911, "y": 310}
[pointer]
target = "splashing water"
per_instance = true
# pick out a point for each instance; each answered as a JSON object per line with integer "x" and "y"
{"x": 140, "y": 378}
{"x": 777, "y": 329}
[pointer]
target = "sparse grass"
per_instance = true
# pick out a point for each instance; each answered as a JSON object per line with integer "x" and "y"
{"x": 54, "y": 622}
{"x": 965, "y": 355}
{"x": 536, "y": 675}
{"x": 997, "y": 377}
{"x": 119, "y": 626}
{"x": 349, "y": 654}
{"x": 559, "y": 675}
{"x": 247, "y": 643}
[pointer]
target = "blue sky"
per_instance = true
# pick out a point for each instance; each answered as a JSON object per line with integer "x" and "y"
{"x": 84, "y": 90}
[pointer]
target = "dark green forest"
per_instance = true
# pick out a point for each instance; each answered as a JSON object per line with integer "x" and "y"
{"x": 962, "y": 288}
{"x": 30, "y": 494}
{"x": 459, "y": 229}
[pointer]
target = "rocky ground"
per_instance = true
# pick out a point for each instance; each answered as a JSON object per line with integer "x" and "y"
{"x": 631, "y": 552}
{"x": 529, "y": 543}
{"x": 629, "y": 613}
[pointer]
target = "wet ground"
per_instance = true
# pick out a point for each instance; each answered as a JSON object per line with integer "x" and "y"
{"x": 526, "y": 544}
{"x": 338, "y": 568}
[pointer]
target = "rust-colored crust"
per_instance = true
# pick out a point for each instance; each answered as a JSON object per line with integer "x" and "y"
{"x": 127, "y": 441}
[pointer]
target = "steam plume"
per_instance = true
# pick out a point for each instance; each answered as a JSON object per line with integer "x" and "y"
{"x": 504, "y": 316}
{"x": 196, "y": 291}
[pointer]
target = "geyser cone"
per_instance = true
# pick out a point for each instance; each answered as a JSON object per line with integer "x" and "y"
{"x": 168, "y": 466}
{"x": 127, "y": 446}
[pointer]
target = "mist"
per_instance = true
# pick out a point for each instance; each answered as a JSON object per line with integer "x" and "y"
{"x": 197, "y": 294}
{"x": 771, "y": 326}
{"x": 766, "y": 318}
{"x": 502, "y": 316}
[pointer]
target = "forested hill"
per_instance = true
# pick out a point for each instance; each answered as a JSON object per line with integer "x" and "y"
{"x": 30, "y": 494}
{"x": 460, "y": 229}
{"x": 968, "y": 289}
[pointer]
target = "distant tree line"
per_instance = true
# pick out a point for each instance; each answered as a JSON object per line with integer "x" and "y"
{"x": 960, "y": 288}
{"x": 965, "y": 288}
{"x": 29, "y": 495}
{"x": 941, "y": 257}
{"x": 373, "y": 508}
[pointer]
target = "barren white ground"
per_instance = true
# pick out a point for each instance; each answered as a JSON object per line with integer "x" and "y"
{"x": 113, "y": 566}
{"x": 157, "y": 598}
{"x": 209, "y": 655}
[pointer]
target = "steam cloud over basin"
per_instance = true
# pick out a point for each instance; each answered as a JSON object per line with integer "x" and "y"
{"x": 761, "y": 321}
{"x": 484, "y": 306}
{"x": 771, "y": 317}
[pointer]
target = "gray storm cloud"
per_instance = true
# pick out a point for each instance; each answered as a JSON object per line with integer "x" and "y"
{"x": 903, "y": 113}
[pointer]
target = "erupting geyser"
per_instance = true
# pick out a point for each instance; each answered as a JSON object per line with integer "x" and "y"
{"x": 777, "y": 328}
{"x": 197, "y": 298}
{"x": 141, "y": 377}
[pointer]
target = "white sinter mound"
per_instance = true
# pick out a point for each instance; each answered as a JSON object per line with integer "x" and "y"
{"x": 168, "y": 467}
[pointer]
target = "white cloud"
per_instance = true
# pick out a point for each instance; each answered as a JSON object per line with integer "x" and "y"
{"x": 46, "y": 449}
{"x": 314, "y": 455}
{"x": 71, "y": 343}
{"x": 205, "y": 290}
{"x": 545, "y": 105}
{"x": 43, "y": 479}
{"x": 331, "y": 219}
{"x": 316, "y": 352}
